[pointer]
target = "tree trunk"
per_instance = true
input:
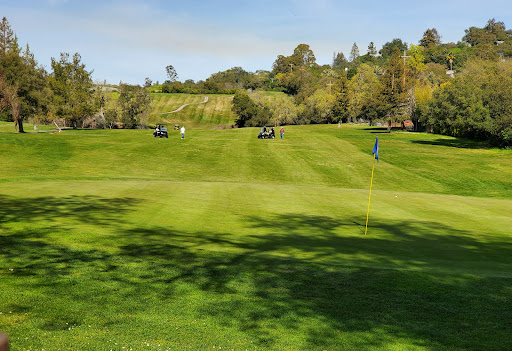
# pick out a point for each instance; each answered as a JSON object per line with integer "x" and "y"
{"x": 389, "y": 126}
{"x": 15, "y": 111}
{"x": 417, "y": 125}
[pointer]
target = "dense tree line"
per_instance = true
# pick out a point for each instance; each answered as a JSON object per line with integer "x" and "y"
{"x": 225, "y": 82}
{"x": 397, "y": 83}
{"x": 405, "y": 82}
{"x": 66, "y": 95}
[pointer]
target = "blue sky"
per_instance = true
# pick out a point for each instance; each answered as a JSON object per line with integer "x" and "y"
{"x": 129, "y": 40}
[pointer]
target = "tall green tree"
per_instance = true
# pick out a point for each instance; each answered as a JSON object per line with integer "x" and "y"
{"x": 23, "y": 86}
{"x": 389, "y": 47}
{"x": 393, "y": 90}
{"x": 342, "y": 99}
{"x": 244, "y": 108}
{"x": 431, "y": 38}
{"x": 73, "y": 89}
{"x": 7, "y": 36}
{"x": 339, "y": 60}
{"x": 302, "y": 58}
{"x": 475, "y": 36}
{"x": 304, "y": 55}
{"x": 133, "y": 105}
{"x": 10, "y": 62}
{"x": 416, "y": 60}
{"x": 423, "y": 91}
{"x": 354, "y": 53}
{"x": 362, "y": 86}
{"x": 372, "y": 50}
{"x": 498, "y": 29}
{"x": 172, "y": 75}
{"x": 283, "y": 64}
{"x": 35, "y": 92}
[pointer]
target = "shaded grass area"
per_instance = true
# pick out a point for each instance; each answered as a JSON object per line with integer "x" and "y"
{"x": 90, "y": 271}
{"x": 456, "y": 142}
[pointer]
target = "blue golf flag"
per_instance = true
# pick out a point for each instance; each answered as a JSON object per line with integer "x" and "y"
{"x": 376, "y": 153}
{"x": 376, "y": 149}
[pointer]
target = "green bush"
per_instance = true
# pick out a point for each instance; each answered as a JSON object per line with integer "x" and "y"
{"x": 477, "y": 104}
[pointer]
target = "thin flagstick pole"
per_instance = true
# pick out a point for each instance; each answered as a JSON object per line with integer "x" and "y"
{"x": 369, "y": 198}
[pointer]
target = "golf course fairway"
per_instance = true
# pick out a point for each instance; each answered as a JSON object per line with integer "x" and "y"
{"x": 115, "y": 240}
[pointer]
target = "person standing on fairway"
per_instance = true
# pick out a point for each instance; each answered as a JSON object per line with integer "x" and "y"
{"x": 183, "y": 132}
{"x": 281, "y": 131}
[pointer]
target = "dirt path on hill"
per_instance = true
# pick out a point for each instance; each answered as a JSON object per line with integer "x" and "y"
{"x": 182, "y": 106}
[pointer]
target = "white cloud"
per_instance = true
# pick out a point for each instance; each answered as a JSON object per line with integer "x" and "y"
{"x": 135, "y": 27}
{"x": 125, "y": 39}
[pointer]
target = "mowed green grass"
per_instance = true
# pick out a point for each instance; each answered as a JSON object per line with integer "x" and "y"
{"x": 113, "y": 239}
{"x": 215, "y": 112}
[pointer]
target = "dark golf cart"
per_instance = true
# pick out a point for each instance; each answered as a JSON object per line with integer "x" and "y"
{"x": 160, "y": 131}
{"x": 266, "y": 133}
{"x": 176, "y": 127}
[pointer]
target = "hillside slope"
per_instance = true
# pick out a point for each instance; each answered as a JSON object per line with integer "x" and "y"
{"x": 216, "y": 112}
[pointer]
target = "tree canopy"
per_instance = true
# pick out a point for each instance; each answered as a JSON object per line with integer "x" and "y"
{"x": 430, "y": 38}
{"x": 387, "y": 88}
{"x": 73, "y": 88}
{"x": 389, "y": 47}
{"x": 354, "y": 53}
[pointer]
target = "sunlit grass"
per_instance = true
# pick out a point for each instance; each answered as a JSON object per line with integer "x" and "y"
{"x": 215, "y": 112}
{"x": 112, "y": 239}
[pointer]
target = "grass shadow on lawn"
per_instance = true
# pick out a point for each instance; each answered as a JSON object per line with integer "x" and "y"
{"x": 302, "y": 276}
{"x": 89, "y": 209}
{"x": 460, "y": 143}
{"x": 382, "y": 130}
{"x": 397, "y": 293}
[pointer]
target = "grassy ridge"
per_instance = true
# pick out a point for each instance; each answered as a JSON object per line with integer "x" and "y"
{"x": 217, "y": 111}
{"x": 115, "y": 239}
